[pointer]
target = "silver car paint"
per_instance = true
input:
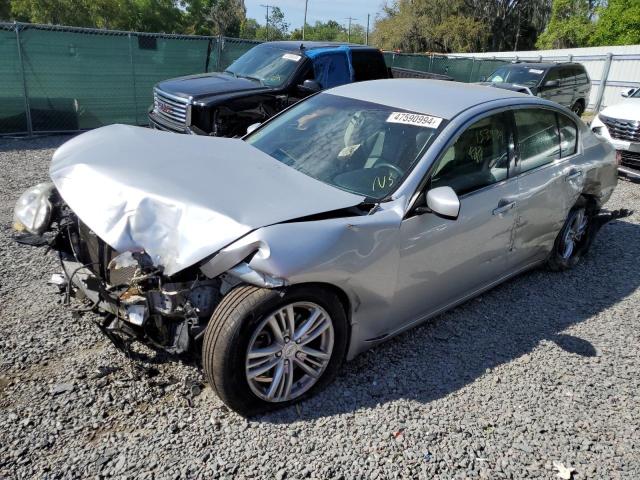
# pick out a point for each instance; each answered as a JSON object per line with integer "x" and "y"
{"x": 178, "y": 197}
{"x": 396, "y": 269}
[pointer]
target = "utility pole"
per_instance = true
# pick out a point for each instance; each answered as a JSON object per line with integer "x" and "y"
{"x": 349, "y": 31}
{"x": 366, "y": 35}
{"x": 306, "y": 3}
{"x": 267, "y": 18}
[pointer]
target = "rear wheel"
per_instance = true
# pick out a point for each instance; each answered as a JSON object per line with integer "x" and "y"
{"x": 573, "y": 240}
{"x": 263, "y": 350}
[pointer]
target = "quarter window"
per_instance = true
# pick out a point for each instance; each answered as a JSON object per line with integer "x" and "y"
{"x": 538, "y": 139}
{"x": 568, "y": 136}
{"x": 478, "y": 158}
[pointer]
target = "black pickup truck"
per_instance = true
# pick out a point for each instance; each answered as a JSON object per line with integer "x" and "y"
{"x": 265, "y": 80}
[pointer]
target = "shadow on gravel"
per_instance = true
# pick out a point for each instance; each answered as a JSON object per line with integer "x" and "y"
{"x": 458, "y": 347}
{"x": 38, "y": 142}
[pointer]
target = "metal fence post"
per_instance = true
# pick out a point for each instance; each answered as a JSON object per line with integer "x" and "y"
{"x": 27, "y": 108}
{"x": 603, "y": 81}
{"x": 431, "y": 63}
{"x": 219, "y": 55}
{"x": 473, "y": 64}
{"x": 133, "y": 78}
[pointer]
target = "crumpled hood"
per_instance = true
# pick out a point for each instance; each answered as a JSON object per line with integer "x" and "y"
{"x": 629, "y": 109}
{"x": 179, "y": 197}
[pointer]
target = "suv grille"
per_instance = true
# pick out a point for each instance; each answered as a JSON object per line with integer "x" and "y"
{"x": 622, "y": 129}
{"x": 629, "y": 159}
{"x": 175, "y": 109}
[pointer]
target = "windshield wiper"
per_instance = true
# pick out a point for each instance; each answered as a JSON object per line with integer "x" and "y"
{"x": 232, "y": 73}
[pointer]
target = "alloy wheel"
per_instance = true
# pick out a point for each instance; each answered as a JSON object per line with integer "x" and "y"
{"x": 289, "y": 351}
{"x": 574, "y": 234}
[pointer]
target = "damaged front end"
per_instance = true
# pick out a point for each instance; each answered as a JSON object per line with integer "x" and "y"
{"x": 136, "y": 299}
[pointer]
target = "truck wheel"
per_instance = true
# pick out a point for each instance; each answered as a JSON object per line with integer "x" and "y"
{"x": 263, "y": 349}
{"x": 574, "y": 239}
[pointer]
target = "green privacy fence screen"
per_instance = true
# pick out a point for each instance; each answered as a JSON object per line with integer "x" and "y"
{"x": 60, "y": 79}
{"x": 461, "y": 69}
{"x": 65, "y": 79}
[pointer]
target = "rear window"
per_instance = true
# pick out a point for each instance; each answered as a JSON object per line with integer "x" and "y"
{"x": 368, "y": 65}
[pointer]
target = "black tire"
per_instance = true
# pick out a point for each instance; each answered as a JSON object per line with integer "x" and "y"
{"x": 229, "y": 333}
{"x": 578, "y": 108}
{"x": 559, "y": 260}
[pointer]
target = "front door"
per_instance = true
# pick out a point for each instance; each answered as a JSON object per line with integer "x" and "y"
{"x": 442, "y": 260}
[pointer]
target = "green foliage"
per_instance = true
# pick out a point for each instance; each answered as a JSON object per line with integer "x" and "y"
{"x": 5, "y": 10}
{"x": 460, "y": 25}
{"x": 570, "y": 25}
{"x": 277, "y": 29}
{"x": 330, "y": 31}
{"x": 618, "y": 23}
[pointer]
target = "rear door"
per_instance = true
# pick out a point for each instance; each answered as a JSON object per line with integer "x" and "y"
{"x": 368, "y": 65}
{"x": 548, "y": 184}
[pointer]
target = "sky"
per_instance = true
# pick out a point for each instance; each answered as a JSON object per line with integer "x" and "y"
{"x": 322, "y": 10}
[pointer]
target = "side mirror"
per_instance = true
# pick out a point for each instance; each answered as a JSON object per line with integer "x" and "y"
{"x": 310, "y": 86}
{"x": 252, "y": 127}
{"x": 628, "y": 92}
{"x": 443, "y": 201}
{"x": 552, "y": 83}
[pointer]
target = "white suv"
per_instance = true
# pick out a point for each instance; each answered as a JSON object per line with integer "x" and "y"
{"x": 620, "y": 125}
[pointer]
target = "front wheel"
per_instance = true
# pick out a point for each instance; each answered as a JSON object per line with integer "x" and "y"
{"x": 573, "y": 240}
{"x": 263, "y": 349}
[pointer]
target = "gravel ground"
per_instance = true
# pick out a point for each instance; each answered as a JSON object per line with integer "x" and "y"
{"x": 542, "y": 371}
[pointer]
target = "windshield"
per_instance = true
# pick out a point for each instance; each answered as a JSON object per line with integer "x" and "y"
{"x": 269, "y": 65}
{"x": 527, "y": 76}
{"x": 636, "y": 94}
{"x": 360, "y": 147}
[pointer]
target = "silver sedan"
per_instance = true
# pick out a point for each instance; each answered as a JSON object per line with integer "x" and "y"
{"x": 345, "y": 220}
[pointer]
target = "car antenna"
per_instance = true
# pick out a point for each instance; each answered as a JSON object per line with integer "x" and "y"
{"x": 302, "y": 46}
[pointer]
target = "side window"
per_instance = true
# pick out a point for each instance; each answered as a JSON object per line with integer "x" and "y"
{"x": 368, "y": 65}
{"x": 553, "y": 74}
{"x": 538, "y": 139}
{"x": 581, "y": 76}
{"x": 332, "y": 69}
{"x": 567, "y": 77}
{"x": 568, "y": 136}
{"x": 478, "y": 158}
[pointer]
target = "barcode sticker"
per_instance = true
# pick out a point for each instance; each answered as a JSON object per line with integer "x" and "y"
{"x": 414, "y": 119}
{"x": 291, "y": 56}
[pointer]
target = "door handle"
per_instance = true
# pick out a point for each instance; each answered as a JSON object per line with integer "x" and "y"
{"x": 503, "y": 207}
{"x": 573, "y": 175}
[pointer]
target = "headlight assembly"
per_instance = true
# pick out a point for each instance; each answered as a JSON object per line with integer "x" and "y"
{"x": 33, "y": 209}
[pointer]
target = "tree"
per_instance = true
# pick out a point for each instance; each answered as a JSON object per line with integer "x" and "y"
{"x": 249, "y": 29}
{"x": 5, "y": 10}
{"x": 277, "y": 28}
{"x": 330, "y": 31}
{"x": 618, "y": 23}
{"x": 570, "y": 25}
{"x": 226, "y": 17}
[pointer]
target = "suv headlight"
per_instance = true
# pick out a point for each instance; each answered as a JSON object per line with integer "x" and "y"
{"x": 33, "y": 209}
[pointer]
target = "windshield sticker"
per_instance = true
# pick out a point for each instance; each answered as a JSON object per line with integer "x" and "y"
{"x": 291, "y": 56}
{"x": 536, "y": 71}
{"x": 414, "y": 119}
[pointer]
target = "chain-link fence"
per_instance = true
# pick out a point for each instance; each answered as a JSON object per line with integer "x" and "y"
{"x": 62, "y": 79}
{"x": 459, "y": 68}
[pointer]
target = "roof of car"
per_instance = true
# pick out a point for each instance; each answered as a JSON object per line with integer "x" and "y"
{"x": 434, "y": 97}
{"x": 295, "y": 45}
